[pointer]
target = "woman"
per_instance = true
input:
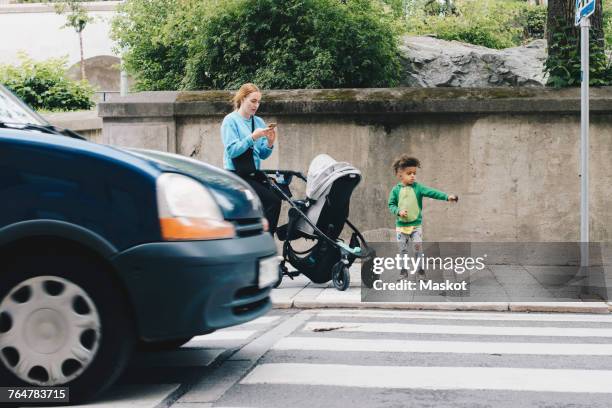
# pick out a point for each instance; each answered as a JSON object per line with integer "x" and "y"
{"x": 247, "y": 141}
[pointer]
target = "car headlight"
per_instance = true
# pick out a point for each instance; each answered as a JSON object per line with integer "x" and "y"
{"x": 188, "y": 211}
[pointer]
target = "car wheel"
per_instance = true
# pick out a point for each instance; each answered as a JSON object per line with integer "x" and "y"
{"x": 63, "y": 322}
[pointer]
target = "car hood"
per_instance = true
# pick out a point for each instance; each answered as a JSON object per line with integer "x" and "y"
{"x": 235, "y": 197}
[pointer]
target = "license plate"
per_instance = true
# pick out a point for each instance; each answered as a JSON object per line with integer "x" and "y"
{"x": 268, "y": 271}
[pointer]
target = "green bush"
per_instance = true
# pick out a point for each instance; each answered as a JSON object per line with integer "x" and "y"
{"x": 607, "y": 23}
{"x": 44, "y": 85}
{"x": 396, "y": 7}
{"x": 153, "y": 36}
{"x": 533, "y": 21}
{"x": 276, "y": 44}
{"x": 489, "y": 23}
{"x": 563, "y": 63}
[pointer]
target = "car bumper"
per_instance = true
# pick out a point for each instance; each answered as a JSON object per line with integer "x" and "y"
{"x": 183, "y": 289}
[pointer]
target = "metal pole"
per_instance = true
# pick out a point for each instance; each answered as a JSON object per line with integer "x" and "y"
{"x": 123, "y": 78}
{"x": 123, "y": 81}
{"x": 584, "y": 142}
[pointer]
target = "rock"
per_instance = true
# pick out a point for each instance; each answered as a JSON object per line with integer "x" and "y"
{"x": 431, "y": 62}
{"x": 102, "y": 71}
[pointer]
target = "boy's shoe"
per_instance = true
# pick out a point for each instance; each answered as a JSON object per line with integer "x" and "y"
{"x": 421, "y": 272}
{"x": 403, "y": 274}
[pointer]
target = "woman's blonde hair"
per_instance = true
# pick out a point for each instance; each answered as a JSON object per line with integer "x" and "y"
{"x": 242, "y": 93}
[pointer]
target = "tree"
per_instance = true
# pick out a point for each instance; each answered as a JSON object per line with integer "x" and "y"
{"x": 44, "y": 84}
{"x": 277, "y": 44}
{"x": 563, "y": 63}
{"x": 76, "y": 18}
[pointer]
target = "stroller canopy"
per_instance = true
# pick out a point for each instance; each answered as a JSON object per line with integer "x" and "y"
{"x": 323, "y": 171}
{"x": 322, "y": 174}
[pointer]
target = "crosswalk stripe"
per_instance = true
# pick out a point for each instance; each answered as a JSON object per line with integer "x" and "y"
{"x": 454, "y": 347}
{"x": 523, "y": 317}
{"x": 262, "y": 320}
{"x": 437, "y": 378}
{"x": 450, "y": 329}
{"x": 224, "y": 335}
{"x": 184, "y": 357}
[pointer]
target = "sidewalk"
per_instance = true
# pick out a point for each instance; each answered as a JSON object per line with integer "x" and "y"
{"x": 300, "y": 293}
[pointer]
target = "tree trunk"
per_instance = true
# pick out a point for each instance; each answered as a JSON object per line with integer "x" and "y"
{"x": 597, "y": 24}
{"x": 561, "y": 13}
{"x": 563, "y": 37}
{"x": 560, "y": 16}
{"x": 82, "y": 57}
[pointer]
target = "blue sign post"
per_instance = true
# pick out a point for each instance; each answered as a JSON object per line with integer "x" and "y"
{"x": 584, "y": 9}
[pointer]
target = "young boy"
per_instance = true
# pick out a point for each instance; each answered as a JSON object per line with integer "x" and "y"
{"x": 406, "y": 203}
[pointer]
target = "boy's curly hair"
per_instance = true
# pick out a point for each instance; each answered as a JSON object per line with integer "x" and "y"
{"x": 405, "y": 161}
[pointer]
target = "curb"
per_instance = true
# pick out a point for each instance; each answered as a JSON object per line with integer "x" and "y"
{"x": 561, "y": 307}
{"x": 458, "y": 306}
{"x": 522, "y": 307}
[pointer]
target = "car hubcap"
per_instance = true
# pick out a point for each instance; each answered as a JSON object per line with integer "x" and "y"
{"x": 49, "y": 330}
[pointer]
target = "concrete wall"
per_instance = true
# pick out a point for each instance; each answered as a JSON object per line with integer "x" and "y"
{"x": 512, "y": 156}
{"x": 86, "y": 123}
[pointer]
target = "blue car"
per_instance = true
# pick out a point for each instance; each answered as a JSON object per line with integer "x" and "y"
{"x": 103, "y": 248}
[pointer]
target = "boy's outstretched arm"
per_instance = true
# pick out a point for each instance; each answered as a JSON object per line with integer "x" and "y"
{"x": 433, "y": 193}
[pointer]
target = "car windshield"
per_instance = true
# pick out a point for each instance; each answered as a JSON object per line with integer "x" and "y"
{"x": 13, "y": 110}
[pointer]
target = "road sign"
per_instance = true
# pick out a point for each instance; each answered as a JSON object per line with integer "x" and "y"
{"x": 584, "y": 8}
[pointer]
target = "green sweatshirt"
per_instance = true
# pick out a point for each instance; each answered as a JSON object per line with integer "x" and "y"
{"x": 410, "y": 198}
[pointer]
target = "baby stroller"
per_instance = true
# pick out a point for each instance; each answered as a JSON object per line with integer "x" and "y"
{"x": 321, "y": 218}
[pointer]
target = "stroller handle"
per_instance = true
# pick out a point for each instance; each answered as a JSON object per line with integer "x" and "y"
{"x": 285, "y": 173}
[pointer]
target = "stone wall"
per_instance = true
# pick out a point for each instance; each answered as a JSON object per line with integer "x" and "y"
{"x": 85, "y": 123}
{"x": 512, "y": 155}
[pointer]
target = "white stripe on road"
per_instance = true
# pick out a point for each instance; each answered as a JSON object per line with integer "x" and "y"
{"x": 435, "y": 378}
{"x": 458, "y": 347}
{"x": 449, "y": 329}
{"x": 224, "y": 335}
{"x": 231, "y": 334}
{"x": 182, "y": 357}
{"x": 505, "y": 316}
{"x": 262, "y": 320}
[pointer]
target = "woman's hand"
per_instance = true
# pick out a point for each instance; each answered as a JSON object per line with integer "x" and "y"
{"x": 259, "y": 133}
{"x": 271, "y": 137}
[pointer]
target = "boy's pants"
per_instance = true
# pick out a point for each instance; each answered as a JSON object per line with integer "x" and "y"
{"x": 411, "y": 244}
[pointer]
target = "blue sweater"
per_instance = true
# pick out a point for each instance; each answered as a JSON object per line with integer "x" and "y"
{"x": 236, "y": 136}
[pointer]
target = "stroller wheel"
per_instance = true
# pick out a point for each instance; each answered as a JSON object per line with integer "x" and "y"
{"x": 341, "y": 278}
{"x": 367, "y": 271}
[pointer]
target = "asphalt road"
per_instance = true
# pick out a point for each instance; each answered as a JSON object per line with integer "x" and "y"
{"x": 369, "y": 358}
